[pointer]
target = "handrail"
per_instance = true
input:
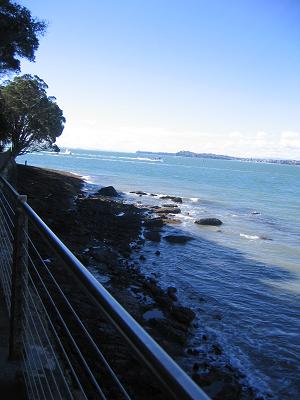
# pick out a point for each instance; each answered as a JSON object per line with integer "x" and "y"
{"x": 175, "y": 381}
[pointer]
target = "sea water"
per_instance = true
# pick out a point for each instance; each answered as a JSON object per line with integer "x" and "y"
{"x": 247, "y": 271}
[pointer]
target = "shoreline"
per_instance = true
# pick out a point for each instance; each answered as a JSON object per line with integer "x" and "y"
{"x": 157, "y": 310}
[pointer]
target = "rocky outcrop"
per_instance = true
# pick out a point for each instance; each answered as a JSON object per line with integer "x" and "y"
{"x": 109, "y": 191}
{"x": 154, "y": 222}
{"x": 209, "y": 221}
{"x": 181, "y": 239}
{"x": 173, "y": 198}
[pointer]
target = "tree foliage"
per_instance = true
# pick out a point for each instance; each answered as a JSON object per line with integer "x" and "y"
{"x": 33, "y": 120}
{"x": 18, "y": 35}
{"x": 3, "y": 124}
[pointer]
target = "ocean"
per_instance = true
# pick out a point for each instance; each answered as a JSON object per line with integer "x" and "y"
{"x": 243, "y": 278}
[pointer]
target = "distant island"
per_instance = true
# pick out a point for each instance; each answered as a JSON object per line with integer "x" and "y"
{"x": 184, "y": 153}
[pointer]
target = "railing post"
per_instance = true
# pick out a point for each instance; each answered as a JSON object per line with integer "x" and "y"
{"x": 18, "y": 277}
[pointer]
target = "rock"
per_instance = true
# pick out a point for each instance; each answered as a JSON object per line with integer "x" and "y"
{"x": 142, "y": 258}
{"x": 178, "y": 238}
{"x": 154, "y": 236}
{"x": 193, "y": 352}
{"x": 171, "y": 221}
{"x": 265, "y": 238}
{"x": 171, "y": 289}
{"x": 217, "y": 350}
{"x": 173, "y": 198}
{"x": 157, "y": 253}
{"x": 196, "y": 367}
{"x": 209, "y": 221}
{"x": 140, "y": 193}
{"x": 167, "y": 210}
{"x": 183, "y": 314}
{"x": 169, "y": 205}
{"x": 154, "y": 223}
{"x": 103, "y": 253}
{"x": 171, "y": 293}
{"x": 107, "y": 191}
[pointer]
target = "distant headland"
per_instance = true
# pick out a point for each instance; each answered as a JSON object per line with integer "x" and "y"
{"x": 184, "y": 153}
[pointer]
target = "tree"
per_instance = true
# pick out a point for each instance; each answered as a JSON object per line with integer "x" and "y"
{"x": 3, "y": 124}
{"x": 33, "y": 119}
{"x": 19, "y": 33}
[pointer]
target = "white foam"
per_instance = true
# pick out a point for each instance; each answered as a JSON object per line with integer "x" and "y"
{"x": 251, "y": 237}
{"x": 194, "y": 199}
{"x": 87, "y": 179}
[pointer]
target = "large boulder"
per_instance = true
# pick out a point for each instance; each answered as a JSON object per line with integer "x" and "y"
{"x": 181, "y": 239}
{"x": 107, "y": 191}
{"x": 209, "y": 221}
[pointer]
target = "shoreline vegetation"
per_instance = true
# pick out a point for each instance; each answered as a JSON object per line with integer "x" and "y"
{"x": 107, "y": 235}
{"x": 183, "y": 153}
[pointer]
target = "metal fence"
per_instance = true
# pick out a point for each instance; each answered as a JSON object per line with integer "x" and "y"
{"x": 74, "y": 339}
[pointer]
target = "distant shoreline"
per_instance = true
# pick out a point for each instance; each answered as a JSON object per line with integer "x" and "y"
{"x": 222, "y": 157}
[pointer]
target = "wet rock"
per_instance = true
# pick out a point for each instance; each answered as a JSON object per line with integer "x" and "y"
{"x": 107, "y": 191}
{"x": 154, "y": 236}
{"x": 140, "y": 193}
{"x": 171, "y": 293}
{"x": 196, "y": 367}
{"x": 167, "y": 210}
{"x": 209, "y": 221}
{"x": 154, "y": 222}
{"x": 171, "y": 221}
{"x": 265, "y": 238}
{"x": 181, "y": 239}
{"x": 173, "y": 198}
{"x": 217, "y": 350}
{"x": 157, "y": 253}
{"x": 103, "y": 253}
{"x": 171, "y": 289}
{"x": 193, "y": 352}
{"x": 183, "y": 314}
{"x": 168, "y": 205}
{"x": 142, "y": 258}
{"x": 217, "y": 316}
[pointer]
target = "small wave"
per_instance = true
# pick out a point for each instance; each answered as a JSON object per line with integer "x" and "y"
{"x": 87, "y": 179}
{"x": 194, "y": 199}
{"x": 251, "y": 237}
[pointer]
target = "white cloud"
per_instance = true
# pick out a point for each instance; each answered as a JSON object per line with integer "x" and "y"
{"x": 290, "y": 139}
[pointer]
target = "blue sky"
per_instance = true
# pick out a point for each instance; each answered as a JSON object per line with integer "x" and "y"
{"x": 207, "y": 76}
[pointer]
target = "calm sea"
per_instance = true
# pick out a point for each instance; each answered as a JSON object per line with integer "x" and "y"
{"x": 247, "y": 272}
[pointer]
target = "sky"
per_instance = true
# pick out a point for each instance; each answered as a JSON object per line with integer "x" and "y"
{"x": 215, "y": 76}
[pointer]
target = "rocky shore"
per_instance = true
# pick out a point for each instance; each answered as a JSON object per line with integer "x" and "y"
{"x": 104, "y": 232}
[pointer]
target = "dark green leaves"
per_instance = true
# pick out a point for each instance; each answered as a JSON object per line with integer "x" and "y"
{"x": 34, "y": 120}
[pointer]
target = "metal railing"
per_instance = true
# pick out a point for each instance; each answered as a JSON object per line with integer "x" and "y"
{"x": 75, "y": 340}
